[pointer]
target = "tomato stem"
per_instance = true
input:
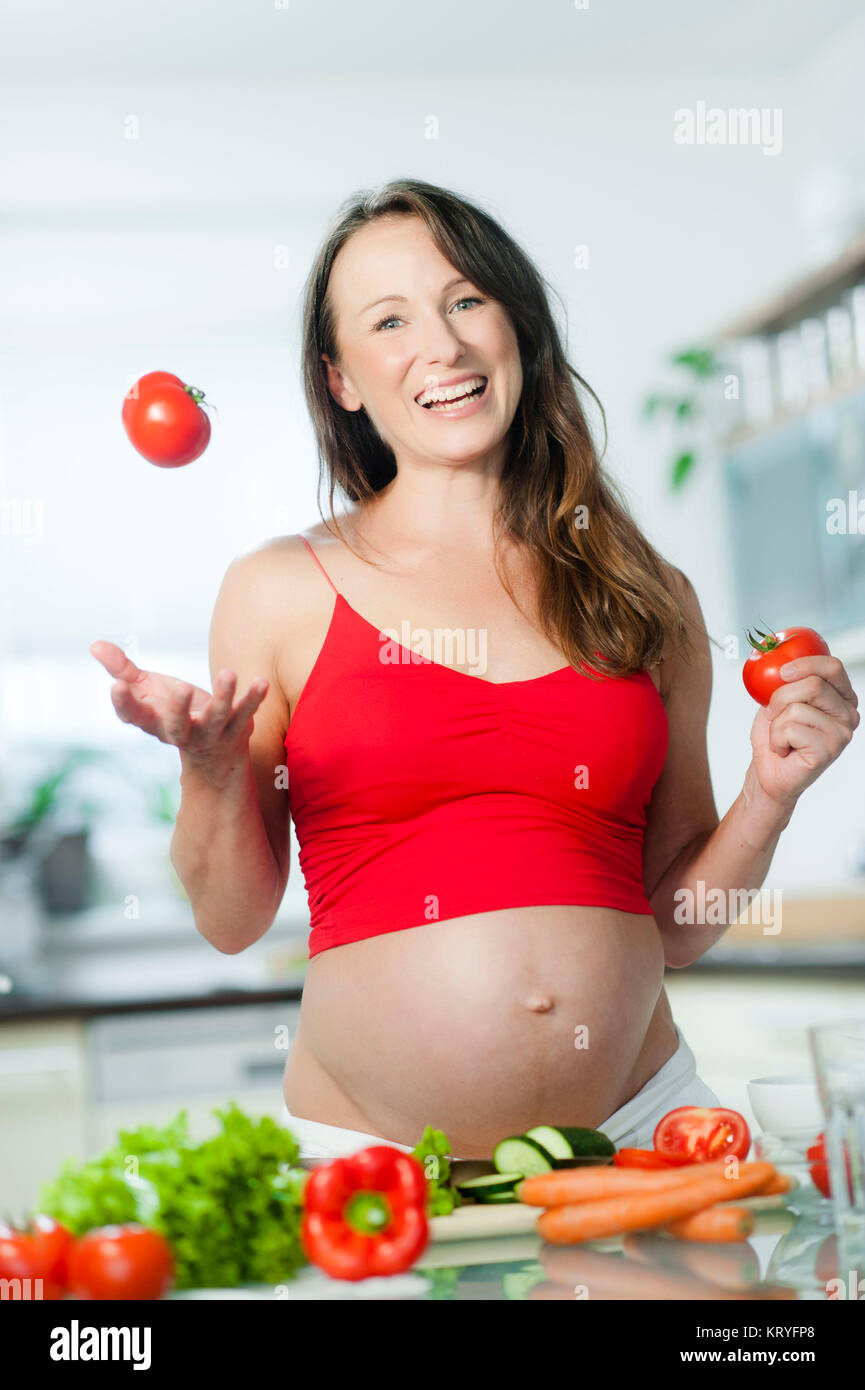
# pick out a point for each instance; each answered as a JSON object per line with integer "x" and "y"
{"x": 769, "y": 640}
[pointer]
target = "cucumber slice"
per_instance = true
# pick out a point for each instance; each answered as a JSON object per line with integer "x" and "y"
{"x": 553, "y": 1140}
{"x": 587, "y": 1143}
{"x": 492, "y": 1186}
{"x": 520, "y": 1154}
{"x": 591, "y": 1161}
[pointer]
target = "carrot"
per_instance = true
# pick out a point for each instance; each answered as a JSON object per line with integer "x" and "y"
{"x": 721, "y": 1223}
{"x": 564, "y": 1186}
{"x": 642, "y": 1210}
{"x": 782, "y": 1182}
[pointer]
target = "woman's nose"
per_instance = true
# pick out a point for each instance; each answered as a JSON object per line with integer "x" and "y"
{"x": 440, "y": 344}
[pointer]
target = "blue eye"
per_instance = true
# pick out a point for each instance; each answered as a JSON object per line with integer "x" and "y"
{"x": 393, "y": 318}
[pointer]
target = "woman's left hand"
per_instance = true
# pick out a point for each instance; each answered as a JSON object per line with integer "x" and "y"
{"x": 808, "y": 721}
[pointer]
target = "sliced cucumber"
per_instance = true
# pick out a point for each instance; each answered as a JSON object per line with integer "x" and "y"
{"x": 587, "y": 1143}
{"x": 492, "y": 1187}
{"x": 553, "y": 1140}
{"x": 520, "y": 1154}
{"x": 591, "y": 1161}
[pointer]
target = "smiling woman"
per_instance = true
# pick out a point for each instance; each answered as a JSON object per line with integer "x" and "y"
{"x": 492, "y": 864}
{"x": 472, "y": 852}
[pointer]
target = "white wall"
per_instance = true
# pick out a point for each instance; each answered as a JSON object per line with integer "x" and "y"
{"x": 123, "y": 256}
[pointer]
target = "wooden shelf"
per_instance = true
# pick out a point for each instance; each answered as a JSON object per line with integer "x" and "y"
{"x": 809, "y": 295}
{"x": 813, "y": 920}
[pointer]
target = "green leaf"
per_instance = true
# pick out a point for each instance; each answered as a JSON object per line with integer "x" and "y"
{"x": 655, "y": 402}
{"x": 230, "y": 1207}
{"x": 701, "y": 361}
{"x": 682, "y": 466}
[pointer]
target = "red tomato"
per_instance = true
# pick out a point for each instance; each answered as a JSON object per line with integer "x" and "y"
{"x": 39, "y": 1251}
{"x": 640, "y": 1158}
{"x": 121, "y": 1262}
{"x": 761, "y": 670}
{"x": 695, "y": 1134}
{"x": 819, "y": 1169}
{"x": 164, "y": 420}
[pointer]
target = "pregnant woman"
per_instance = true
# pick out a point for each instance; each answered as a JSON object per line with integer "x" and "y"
{"x": 481, "y": 696}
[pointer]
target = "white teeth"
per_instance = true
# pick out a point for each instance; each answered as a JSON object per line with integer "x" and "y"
{"x": 441, "y": 394}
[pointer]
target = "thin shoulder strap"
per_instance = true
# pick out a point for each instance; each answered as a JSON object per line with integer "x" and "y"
{"x": 320, "y": 565}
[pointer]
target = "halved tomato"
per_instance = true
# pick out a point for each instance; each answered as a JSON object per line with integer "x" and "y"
{"x": 698, "y": 1134}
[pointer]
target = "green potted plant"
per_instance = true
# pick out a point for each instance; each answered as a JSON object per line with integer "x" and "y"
{"x": 684, "y": 404}
{"x": 54, "y": 829}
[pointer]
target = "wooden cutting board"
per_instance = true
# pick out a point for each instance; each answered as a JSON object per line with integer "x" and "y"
{"x": 474, "y": 1221}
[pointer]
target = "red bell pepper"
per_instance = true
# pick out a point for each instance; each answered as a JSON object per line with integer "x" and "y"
{"x": 366, "y": 1215}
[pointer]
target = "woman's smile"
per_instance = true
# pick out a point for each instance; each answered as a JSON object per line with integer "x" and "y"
{"x": 461, "y": 400}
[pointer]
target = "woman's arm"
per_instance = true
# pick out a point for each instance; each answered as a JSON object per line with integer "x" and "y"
{"x": 701, "y": 873}
{"x": 231, "y": 839}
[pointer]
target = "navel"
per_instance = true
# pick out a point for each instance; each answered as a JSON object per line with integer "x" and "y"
{"x": 539, "y": 1003}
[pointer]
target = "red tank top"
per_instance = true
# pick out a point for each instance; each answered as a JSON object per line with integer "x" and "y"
{"x": 419, "y": 792}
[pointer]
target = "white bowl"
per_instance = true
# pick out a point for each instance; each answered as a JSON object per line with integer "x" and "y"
{"x": 786, "y": 1105}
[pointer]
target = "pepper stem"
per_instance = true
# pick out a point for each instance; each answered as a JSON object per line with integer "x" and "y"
{"x": 368, "y": 1213}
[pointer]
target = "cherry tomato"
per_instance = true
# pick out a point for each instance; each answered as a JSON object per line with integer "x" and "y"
{"x": 121, "y": 1262}
{"x": 164, "y": 420}
{"x": 761, "y": 670}
{"x": 697, "y": 1134}
{"x": 640, "y": 1158}
{"x": 38, "y": 1251}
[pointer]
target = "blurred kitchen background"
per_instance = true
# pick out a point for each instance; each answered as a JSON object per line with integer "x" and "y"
{"x": 166, "y": 179}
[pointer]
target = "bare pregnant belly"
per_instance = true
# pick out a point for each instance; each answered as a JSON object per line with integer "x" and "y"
{"x": 483, "y": 1026}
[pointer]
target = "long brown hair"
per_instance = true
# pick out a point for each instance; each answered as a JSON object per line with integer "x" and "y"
{"x": 601, "y": 587}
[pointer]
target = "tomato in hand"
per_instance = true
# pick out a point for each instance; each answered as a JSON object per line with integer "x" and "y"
{"x": 640, "y": 1158}
{"x": 38, "y": 1251}
{"x": 164, "y": 420}
{"x": 128, "y": 1262}
{"x": 697, "y": 1134}
{"x": 761, "y": 672}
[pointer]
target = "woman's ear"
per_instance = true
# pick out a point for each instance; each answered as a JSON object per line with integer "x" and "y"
{"x": 340, "y": 387}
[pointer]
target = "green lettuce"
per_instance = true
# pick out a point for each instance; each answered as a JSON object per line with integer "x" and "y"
{"x": 432, "y": 1154}
{"x": 230, "y": 1207}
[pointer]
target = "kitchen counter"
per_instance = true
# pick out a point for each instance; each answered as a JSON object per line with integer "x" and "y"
{"x": 91, "y": 967}
{"x": 789, "y": 1256}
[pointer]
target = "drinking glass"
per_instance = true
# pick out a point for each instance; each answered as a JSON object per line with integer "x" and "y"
{"x": 838, "y": 1050}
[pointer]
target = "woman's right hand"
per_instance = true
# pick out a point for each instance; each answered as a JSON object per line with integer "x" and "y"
{"x": 211, "y": 731}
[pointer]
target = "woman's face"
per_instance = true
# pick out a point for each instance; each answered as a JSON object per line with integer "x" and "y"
{"x": 407, "y": 322}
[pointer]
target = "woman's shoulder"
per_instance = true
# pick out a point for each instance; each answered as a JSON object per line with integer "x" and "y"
{"x": 687, "y": 661}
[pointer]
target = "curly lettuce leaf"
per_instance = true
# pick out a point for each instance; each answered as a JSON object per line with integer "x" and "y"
{"x": 230, "y": 1207}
